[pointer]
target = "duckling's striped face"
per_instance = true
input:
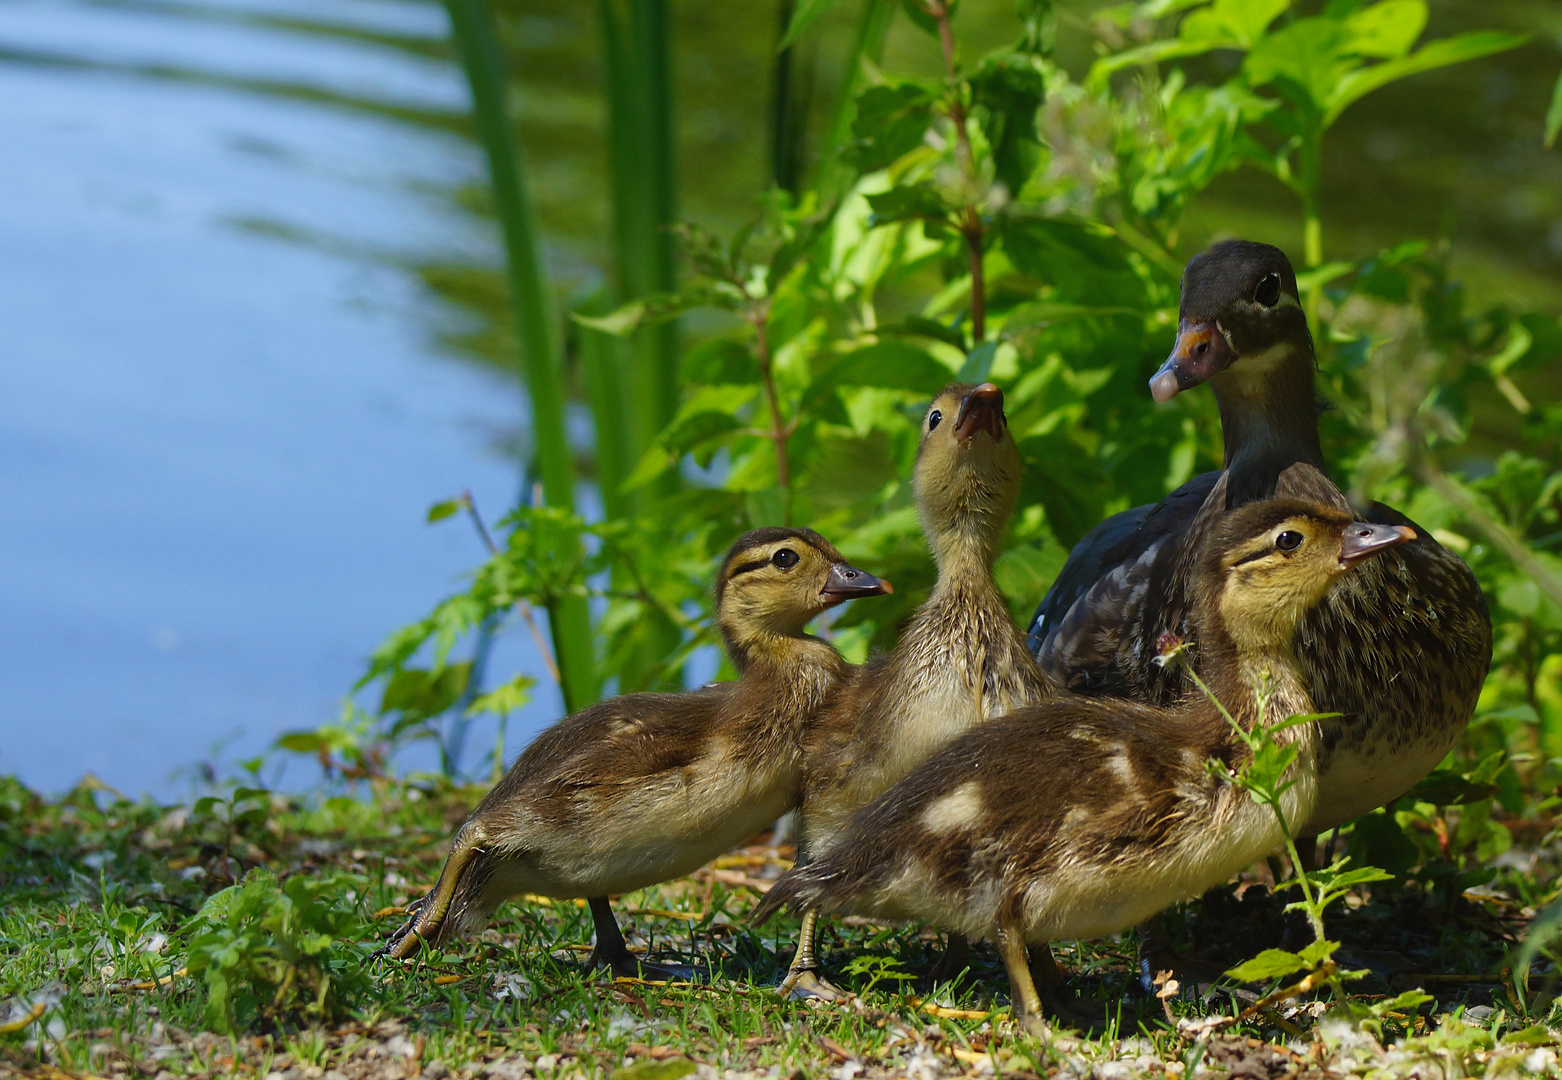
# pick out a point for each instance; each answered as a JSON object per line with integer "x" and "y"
{"x": 968, "y": 468}
{"x": 1285, "y": 561}
{"x": 773, "y": 581}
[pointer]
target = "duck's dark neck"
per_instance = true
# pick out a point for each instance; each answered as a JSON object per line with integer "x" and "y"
{"x": 1269, "y": 417}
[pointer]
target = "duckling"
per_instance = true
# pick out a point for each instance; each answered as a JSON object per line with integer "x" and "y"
{"x": 960, "y": 661}
{"x": 647, "y": 787}
{"x": 1081, "y": 816}
{"x": 1414, "y": 621}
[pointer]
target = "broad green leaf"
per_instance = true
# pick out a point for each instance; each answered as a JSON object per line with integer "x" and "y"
{"x": 1554, "y": 115}
{"x": 1231, "y": 23}
{"x": 505, "y": 699}
{"x": 619, "y": 323}
{"x": 979, "y": 363}
{"x": 1446, "y": 787}
{"x": 889, "y": 365}
{"x": 910, "y": 203}
{"x": 1269, "y": 964}
{"x": 301, "y": 742}
{"x": 804, "y": 15}
{"x": 441, "y": 510}
{"x": 1386, "y": 30}
{"x": 1310, "y": 55}
{"x": 1435, "y": 54}
{"x": 922, "y": 326}
{"x": 721, "y": 361}
{"x": 1319, "y": 951}
{"x": 675, "y": 1069}
{"x": 1007, "y": 90}
{"x": 891, "y": 121}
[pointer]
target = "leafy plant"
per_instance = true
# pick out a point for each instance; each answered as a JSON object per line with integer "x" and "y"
{"x": 264, "y": 950}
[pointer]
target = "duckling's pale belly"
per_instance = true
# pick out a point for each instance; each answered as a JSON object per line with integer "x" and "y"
{"x": 618, "y": 839}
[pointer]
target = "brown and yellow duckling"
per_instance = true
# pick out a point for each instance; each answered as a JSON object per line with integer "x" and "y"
{"x": 647, "y": 787}
{"x": 960, "y": 661}
{"x": 1082, "y": 816}
{"x": 1400, "y": 649}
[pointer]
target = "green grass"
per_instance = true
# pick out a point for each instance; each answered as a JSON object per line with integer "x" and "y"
{"x": 102, "y": 893}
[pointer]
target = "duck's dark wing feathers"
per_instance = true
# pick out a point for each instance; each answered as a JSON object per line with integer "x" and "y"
{"x": 1094, "y": 607}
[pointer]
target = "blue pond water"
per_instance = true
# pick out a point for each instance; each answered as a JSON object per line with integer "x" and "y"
{"x": 223, "y": 408}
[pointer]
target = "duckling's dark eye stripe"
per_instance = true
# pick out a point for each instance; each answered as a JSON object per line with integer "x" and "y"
{"x": 755, "y": 565}
{"x": 1255, "y": 555}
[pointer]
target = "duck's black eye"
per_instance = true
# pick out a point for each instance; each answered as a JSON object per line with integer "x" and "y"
{"x": 933, "y": 418}
{"x": 1268, "y": 291}
{"x": 786, "y": 558}
{"x": 1289, "y": 540}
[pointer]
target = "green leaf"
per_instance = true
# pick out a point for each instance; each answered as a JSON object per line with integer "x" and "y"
{"x": 503, "y": 700}
{"x": 979, "y": 363}
{"x": 804, "y": 15}
{"x": 721, "y": 361}
{"x": 675, "y": 1069}
{"x": 922, "y": 326}
{"x": 1435, "y": 54}
{"x": 910, "y": 203}
{"x": 1007, "y": 90}
{"x": 1386, "y": 30}
{"x": 891, "y": 121}
{"x": 1231, "y": 24}
{"x": 1554, "y": 115}
{"x": 1319, "y": 951}
{"x": 889, "y": 365}
{"x": 301, "y": 742}
{"x": 1446, "y": 787}
{"x": 1040, "y": 20}
{"x": 620, "y": 323}
{"x": 1409, "y": 1001}
{"x": 441, "y": 510}
{"x": 1269, "y": 964}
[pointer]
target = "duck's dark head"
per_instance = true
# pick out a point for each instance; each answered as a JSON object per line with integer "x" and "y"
{"x": 1272, "y": 561}
{"x": 1240, "y": 312}
{"x": 968, "y": 469}
{"x": 774, "y": 581}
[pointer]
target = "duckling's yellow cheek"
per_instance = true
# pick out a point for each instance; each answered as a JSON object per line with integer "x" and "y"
{"x": 960, "y": 809}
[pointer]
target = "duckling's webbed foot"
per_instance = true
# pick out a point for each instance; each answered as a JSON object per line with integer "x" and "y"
{"x": 611, "y": 952}
{"x": 953, "y": 963}
{"x": 1053, "y": 991}
{"x": 1156, "y": 956}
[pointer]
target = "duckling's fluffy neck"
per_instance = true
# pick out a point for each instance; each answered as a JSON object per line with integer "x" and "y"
{"x": 1236, "y": 674}
{"x": 965, "y": 548}
{"x": 1269, "y": 417}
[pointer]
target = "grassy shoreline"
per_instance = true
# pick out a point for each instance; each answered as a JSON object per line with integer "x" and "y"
{"x": 101, "y": 952}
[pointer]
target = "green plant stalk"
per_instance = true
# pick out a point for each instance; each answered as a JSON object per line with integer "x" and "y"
{"x": 641, "y": 159}
{"x": 644, "y": 379}
{"x": 600, "y": 367}
{"x": 477, "y": 43}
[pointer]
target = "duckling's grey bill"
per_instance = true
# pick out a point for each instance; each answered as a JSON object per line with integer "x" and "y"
{"x": 1363, "y": 540}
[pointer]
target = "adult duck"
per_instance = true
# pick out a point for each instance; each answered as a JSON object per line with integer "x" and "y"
{"x": 1400, "y": 649}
